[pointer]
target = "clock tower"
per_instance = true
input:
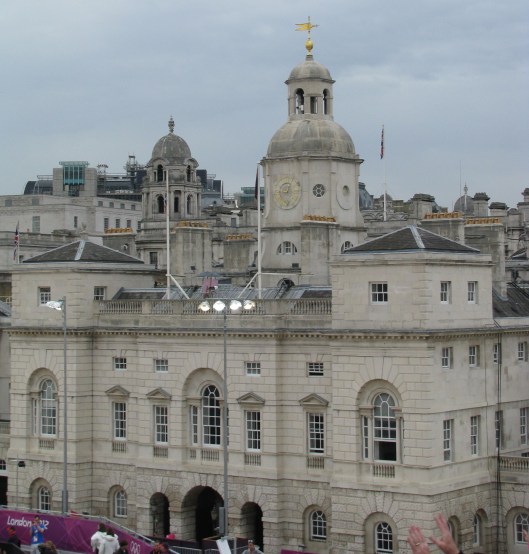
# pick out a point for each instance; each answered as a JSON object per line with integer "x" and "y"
{"x": 311, "y": 173}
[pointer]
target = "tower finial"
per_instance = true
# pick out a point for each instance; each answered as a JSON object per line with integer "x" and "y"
{"x": 307, "y": 27}
{"x": 171, "y": 125}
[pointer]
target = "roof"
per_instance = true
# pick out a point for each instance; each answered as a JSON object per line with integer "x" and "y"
{"x": 83, "y": 251}
{"x": 411, "y": 238}
{"x": 515, "y": 305}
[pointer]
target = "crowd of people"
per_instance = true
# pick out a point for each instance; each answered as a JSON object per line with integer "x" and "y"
{"x": 105, "y": 541}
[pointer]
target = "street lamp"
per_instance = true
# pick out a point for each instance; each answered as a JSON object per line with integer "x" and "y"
{"x": 223, "y": 306}
{"x": 60, "y": 305}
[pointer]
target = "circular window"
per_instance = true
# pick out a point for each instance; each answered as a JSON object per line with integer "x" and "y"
{"x": 318, "y": 190}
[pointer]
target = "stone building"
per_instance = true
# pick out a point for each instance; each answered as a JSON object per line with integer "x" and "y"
{"x": 368, "y": 388}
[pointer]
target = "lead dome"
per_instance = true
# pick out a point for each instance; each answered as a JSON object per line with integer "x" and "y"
{"x": 171, "y": 147}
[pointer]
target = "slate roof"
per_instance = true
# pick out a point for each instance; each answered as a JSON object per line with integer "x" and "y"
{"x": 515, "y": 305}
{"x": 411, "y": 238}
{"x": 83, "y": 251}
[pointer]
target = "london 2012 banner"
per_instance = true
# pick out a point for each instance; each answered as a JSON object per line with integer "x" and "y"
{"x": 71, "y": 533}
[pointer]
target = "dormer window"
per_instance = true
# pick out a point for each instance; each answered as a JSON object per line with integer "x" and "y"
{"x": 300, "y": 101}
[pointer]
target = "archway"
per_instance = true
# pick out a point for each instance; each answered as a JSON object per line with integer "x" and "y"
{"x": 252, "y": 523}
{"x": 159, "y": 508}
{"x": 200, "y": 513}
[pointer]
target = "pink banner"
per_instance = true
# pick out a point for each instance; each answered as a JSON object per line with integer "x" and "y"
{"x": 71, "y": 533}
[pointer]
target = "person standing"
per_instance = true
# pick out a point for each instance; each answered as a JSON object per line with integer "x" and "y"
{"x": 97, "y": 537}
{"x": 13, "y": 537}
{"x": 109, "y": 542}
{"x": 252, "y": 549}
{"x": 37, "y": 534}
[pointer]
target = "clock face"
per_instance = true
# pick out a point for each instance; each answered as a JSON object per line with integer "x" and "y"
{"x": 286, "y": 192}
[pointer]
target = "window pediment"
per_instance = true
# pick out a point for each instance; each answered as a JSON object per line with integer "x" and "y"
{"x": 314, "y": 400}
{"x": 118, "y": 391}
{"x": 251, "y": 398}
{"x": 159, "y": 394}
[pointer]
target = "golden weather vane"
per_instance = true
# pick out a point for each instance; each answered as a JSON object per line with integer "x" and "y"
{"x": 306, "y": 27}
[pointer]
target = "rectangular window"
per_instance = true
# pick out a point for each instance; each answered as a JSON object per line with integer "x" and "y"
{"x": 524, "y": 435}
{"x": 447, "y": 439}
{"x": 120, "y": 363}
{"x": 44, "y": 295}
{"x": 161, "y": 365}
{"x": 106, "y": 223}
{"x": 253, "y": 430}
{"x": 522, "y": 351}
{"x": 474, "y": 435}
{"x": 129, "y": 223}
{"x": 153, "y": 258}
{"x": 496, "y": 353}
{"x": 379, "y": 293}
{"x": 446, "y": 292}
{"x": 498, "y": 427}
{"x": 122, "y": 206}
{"x": 118, "y": 223}
{"x": 119, "y": 420}
{"x": 315, "y": 368}
{"x": 161, "y": 424}
{"x": 316, "y": 427}
{"x": 447, "y": 357}
{"x": 111, "y": 204}
{"x": 100, "y": 293}
{"x": 35, "y": 224}
{"x": 75, "y": 221}
{"x": 252, "y": 368}
{"x": 194, "y": 424}
{"x": 133, "y": 207}
{"x": 473, "y": 356}
{"x": 472, "y": 292}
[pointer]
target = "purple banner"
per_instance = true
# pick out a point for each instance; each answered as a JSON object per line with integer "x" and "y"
{"x": 71, "y": 533}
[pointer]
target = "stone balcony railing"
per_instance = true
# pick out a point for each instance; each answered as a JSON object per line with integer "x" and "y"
{"x": 298, "y": 309}
{"x": 514, "y": 463}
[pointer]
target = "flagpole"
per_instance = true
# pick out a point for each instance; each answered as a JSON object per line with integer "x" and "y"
{"x": 258, "y": 187}
{"x": 168, "y": 257}
{"x": 385, "y": 177}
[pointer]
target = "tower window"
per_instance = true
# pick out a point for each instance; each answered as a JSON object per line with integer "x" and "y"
{"x": 300, "y": 101}
{"x": 314, "y": 104}
{"x": 159, "y": 173}
{"x": 325, "y": 102}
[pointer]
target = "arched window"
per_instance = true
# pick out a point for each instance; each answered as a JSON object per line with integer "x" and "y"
{"x": 159, "y": 173}
{"x": 383, "y": 538}
{"x": 300, "y": 101}
{"x": 190, "y": 205}
{"x": 160, "y": 203}
{"x": 211, "y": 425}
{"x": 381, "y": 429}
{"x": 384, "y": 428}
{"x": 521, "y": 524}
{"x": 287, "y": 248}
{"x": 43, "y": 499}
{"x": 45, "y": 410}
{"x": 188, "y": 173}
{"x": 120, "y": 503}
{"x": 477, "y": 530}
{"x": 318, "y": 526}
{"x": 346, "y": 245}
{"x": 176, "y": 204}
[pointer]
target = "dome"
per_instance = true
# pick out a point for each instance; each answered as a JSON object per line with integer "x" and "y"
{"x": 465, "y": 205}
{"x": 309, "y": 69}
{"x": 302, "y": 137}
{"x": 171, "y": 147}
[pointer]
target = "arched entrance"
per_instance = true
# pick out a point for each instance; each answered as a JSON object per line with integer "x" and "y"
{"x": 252, "y": 523}
{"x": 200, "y": 513}
{"x": 159, "y": 508}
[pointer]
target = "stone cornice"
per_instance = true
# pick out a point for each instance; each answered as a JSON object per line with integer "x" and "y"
{"x": 278, "y": 334}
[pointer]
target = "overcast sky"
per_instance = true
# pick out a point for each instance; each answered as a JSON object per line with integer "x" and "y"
{"x": 97, "y": 80}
